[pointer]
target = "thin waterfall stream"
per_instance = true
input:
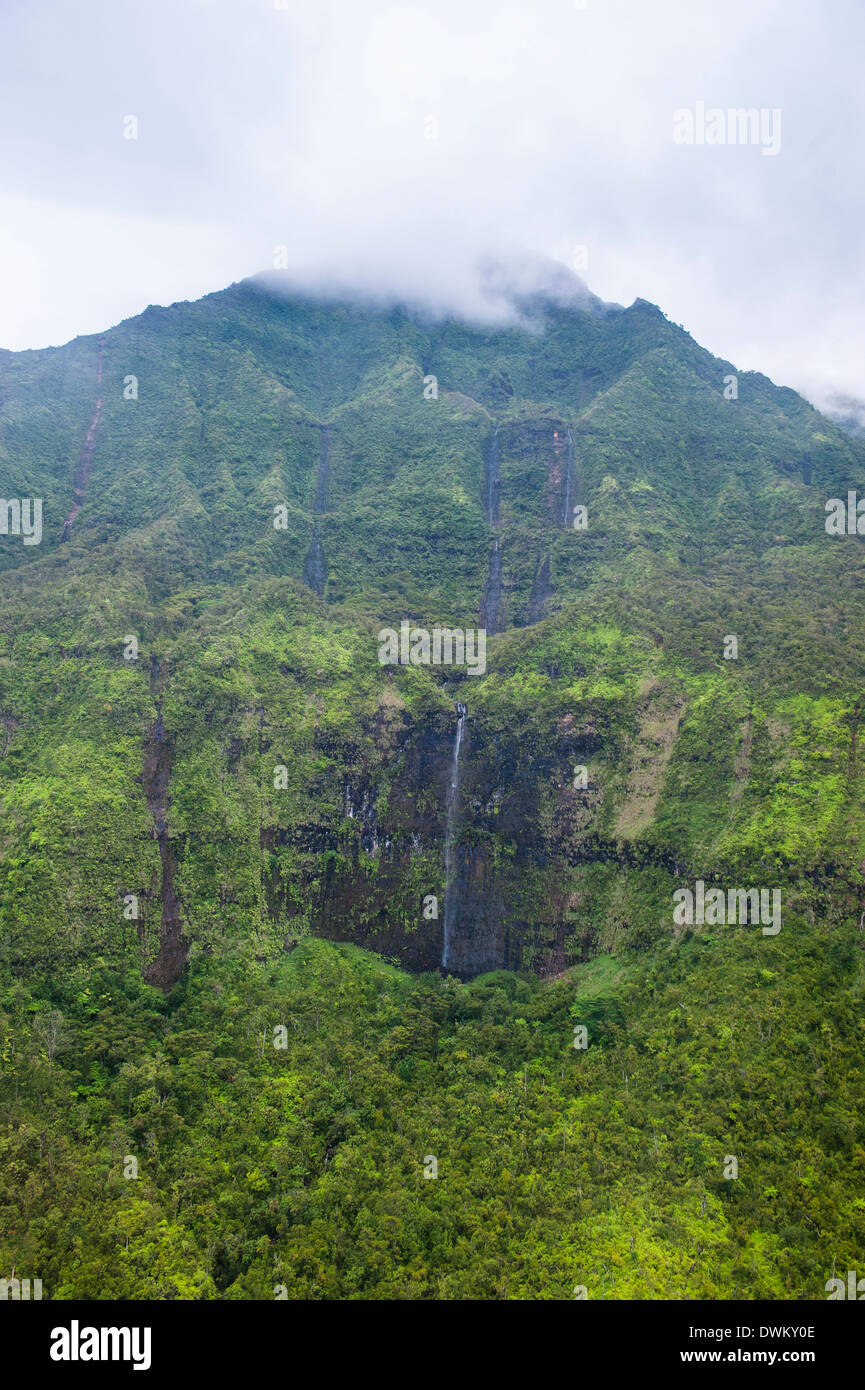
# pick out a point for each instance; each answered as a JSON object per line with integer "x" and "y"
{"x": 493, "y": 480}
{"x": 450, "y": 833}
{"x": 569, "y": 482}
{"x": 315, "y": 564}
{"x": 493, "y": 595}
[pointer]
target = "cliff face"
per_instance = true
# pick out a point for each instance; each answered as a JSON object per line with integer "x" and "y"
{"x": 511, "y": 860}
{"x": 284, "y": 486}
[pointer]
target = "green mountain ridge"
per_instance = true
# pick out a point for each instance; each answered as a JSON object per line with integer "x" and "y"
{"x": 181, "y": 827}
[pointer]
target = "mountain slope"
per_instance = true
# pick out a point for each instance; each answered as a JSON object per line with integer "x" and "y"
{"x": 705, "y": 518}
{"x": 179, "y": 811}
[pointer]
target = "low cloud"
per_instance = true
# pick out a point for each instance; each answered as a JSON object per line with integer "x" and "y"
{"x": 400, "y": 151}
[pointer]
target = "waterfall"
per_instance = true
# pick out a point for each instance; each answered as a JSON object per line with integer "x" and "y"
{"x": 568, "y": 483}
{"x": 450, "y": 827}
{"x": 323, "y": 477}
{"x": 315, "y": 565}
{"x": 493, "y": 596}
{"x": 542, "y": 591}
{"x": 493, "y": 480}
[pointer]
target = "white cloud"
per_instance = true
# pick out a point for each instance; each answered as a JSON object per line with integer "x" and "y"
{"x": 308, "y": 126}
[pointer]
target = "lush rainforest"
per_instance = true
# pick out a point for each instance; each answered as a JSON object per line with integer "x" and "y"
{"x": 323, "y": 978}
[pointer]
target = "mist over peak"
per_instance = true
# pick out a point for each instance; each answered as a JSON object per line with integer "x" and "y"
{"x": 490, "y": 291}
{"x": 846, "y": 411}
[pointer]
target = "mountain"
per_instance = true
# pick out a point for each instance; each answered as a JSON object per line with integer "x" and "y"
{"x": 208, "y": 780}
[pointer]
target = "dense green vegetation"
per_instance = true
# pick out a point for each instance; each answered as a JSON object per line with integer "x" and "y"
{"x": 304, "y": 1166}
{"x": 180, "y": 828}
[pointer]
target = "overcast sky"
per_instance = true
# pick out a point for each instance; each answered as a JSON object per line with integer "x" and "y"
{"x": 392, "y": 146}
